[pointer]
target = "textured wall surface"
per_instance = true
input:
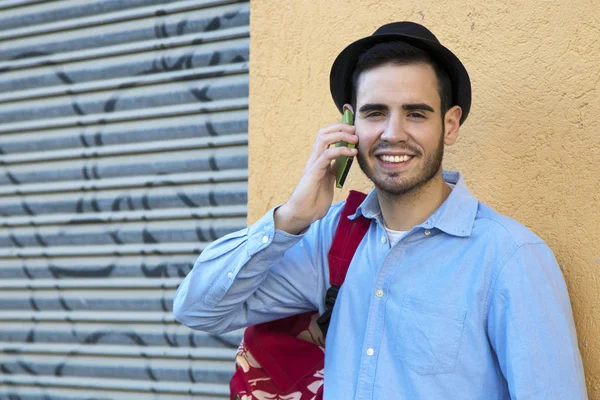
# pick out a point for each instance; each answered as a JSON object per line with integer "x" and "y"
{"x": 530, "y": 147}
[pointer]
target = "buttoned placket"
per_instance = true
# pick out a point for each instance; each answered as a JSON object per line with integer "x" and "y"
{"x": 375, "y": 318}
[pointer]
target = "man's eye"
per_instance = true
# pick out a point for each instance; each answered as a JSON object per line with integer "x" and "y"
{"x": 374, "y": 114}
{"x": 416, "y": 115}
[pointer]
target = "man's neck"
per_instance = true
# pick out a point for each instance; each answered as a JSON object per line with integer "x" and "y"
{"x": 402, "y": 212}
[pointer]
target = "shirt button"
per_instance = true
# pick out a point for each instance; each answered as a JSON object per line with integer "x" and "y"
{"x": 383, "y": 239}
{"x": 370, "y": 352}
{"x": 379, "y": 293}
{"x": 230, "y": 274}
{"x": 265, "y": 239}
{"x": 427, "y": 232}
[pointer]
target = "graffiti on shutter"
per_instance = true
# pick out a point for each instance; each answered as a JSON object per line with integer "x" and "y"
{"x": 123, "y": 153}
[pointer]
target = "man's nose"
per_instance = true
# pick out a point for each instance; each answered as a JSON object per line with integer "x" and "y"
{"x": 395, "y": 130}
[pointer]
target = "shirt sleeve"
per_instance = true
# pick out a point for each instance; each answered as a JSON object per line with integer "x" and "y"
{"x": 531, "y": 328}
{"x": 251, "y": 276}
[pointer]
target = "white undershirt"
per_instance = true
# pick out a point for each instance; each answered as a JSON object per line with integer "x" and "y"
{"x": 394, "y": 236}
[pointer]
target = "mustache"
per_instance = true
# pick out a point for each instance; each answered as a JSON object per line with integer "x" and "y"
{"x": 398, "y": 147}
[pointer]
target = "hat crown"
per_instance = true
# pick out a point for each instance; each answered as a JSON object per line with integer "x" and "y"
{"x": 407, "y": 28}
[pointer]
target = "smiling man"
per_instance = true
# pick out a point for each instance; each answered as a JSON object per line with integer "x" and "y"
{"x": 445, "y": 298}
{"x": 403, "y": 129}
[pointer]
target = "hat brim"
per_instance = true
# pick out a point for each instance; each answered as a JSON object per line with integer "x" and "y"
{"x": 344, "y": 65}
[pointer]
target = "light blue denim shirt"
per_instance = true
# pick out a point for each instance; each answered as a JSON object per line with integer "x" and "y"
{"x": 468, "y": 305}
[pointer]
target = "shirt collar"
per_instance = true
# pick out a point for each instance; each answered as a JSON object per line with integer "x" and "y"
{"x": 455, "y": 216}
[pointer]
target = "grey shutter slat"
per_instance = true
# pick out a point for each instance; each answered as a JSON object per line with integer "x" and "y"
{"x": 136, "y": 30}
{"x": 119, "y": 165}
{"x": 6, "y": 4}
{"x": 58, "y": 270}
{"x": 79, "y": 19}
{"x": 109, "y": 84}
{"x": 128, "y": 99}
{"x": 123, "y": 154}
{"x": 129, "y": 48}
{"x": 54, "y": 11}
{"x": 123, "y": 133}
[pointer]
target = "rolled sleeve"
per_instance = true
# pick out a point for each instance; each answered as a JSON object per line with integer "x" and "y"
{"x": 222, "y": 293}
{"x": 263, "y": 237}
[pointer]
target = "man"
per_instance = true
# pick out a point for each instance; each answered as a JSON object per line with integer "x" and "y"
{"x": 445, "y": 298}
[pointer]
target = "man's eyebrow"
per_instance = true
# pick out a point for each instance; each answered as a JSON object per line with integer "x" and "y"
{"x": 417, "y": 107}
{"x": 406, "y": 107}
{"x": 373, "y": 107}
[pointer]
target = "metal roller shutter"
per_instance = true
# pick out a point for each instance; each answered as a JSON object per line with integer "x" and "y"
{"x": 123, "y": 153}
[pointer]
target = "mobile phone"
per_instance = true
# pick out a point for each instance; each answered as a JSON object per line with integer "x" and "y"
{"x": 343, "y": 163}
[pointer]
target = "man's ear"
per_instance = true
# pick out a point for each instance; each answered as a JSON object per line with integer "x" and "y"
{"x": 451, "y": 125}
{"x": 347, "y": 106}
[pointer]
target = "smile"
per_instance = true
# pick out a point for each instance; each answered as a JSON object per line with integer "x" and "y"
{"x": 394, "y": 159}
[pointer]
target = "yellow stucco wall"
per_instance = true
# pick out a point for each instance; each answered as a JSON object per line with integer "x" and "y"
{"x": 531, "y": 144}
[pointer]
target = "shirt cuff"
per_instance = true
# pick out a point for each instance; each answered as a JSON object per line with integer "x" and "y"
{"x": 264, "y": 238}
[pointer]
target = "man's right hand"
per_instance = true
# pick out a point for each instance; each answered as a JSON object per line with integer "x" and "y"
{"x": 313, "y": 195}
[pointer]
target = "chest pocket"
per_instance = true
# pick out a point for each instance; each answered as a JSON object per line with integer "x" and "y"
{"x": 430, "y": 335}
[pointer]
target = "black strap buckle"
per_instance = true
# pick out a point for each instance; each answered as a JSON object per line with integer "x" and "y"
{"x": 330, "y": 298}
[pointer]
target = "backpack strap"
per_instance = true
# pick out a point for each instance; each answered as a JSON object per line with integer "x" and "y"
{"x": 347, "y": 237}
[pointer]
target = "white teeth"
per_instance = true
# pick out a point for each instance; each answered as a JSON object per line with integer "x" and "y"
{"x": 395, "y": 159}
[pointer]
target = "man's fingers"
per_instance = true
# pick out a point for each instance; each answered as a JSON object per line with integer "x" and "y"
{"x": 324, "y": 161}
{"x": 338, "y": 126}
{"x": 333, "y": 138}
{"x": 329, "y": 136}
{"x": 326, "y": 140}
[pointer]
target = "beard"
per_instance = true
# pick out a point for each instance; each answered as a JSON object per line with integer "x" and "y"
{"x": 393, "y": 184}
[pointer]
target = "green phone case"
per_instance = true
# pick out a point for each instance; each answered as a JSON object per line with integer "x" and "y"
{"x": 343, "y": 163}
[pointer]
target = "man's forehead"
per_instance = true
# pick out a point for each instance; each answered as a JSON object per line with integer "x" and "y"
{"x": 403, "y": 83}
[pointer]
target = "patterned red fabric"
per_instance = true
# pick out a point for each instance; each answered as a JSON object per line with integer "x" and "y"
{"x": 284, "y": 359}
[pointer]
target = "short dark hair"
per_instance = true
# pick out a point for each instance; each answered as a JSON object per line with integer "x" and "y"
{"x": 402, "y": 53}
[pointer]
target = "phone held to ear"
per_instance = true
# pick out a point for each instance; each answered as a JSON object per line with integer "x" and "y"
{"x": 343, "y": 163}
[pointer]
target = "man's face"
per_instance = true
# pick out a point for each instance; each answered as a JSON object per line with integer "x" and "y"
{"x": 399, "y": 126}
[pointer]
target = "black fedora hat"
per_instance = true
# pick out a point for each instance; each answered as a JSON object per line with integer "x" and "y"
{"x": 414, "y": 34}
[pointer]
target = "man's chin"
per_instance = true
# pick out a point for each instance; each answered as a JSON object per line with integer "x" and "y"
{"x": 395, "y": 184}
{"x": 400, "y": 183}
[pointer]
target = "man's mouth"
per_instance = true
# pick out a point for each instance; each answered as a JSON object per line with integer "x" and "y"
{"x": 394, "y": 159}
